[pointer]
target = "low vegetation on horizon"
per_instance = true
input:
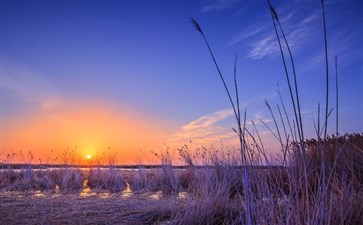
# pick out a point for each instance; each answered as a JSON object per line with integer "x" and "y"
{"x": 193, "y": 195}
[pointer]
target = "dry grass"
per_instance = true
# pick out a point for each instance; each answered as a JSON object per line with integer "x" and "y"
{"x": 67, "y": 179}
{"x": 196, "y": 195}
{"x": 73, "y": 209}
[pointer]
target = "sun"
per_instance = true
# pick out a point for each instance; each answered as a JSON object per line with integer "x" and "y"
{"x": 88, "y": 156}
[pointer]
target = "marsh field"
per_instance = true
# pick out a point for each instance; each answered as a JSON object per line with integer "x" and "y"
{"x": 310, "y": 181}
{"x": 191, "y": 194}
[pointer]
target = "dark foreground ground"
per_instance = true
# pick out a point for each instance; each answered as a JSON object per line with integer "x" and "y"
{"x": 37, "y": 208}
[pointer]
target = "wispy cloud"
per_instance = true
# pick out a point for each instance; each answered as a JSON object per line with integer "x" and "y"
{"x": 206, "y": 129}
{"x": 24, "y": 90}
{"x": 309, "y": 19}
{"x": 23, "y": 83}
{"x": 263, "y": 47}
{"x": 240, "y": 11}
{"x": 218, "y": 126}
{"x": 297, "y": 31}
{"x": 208, "y": 120}
{"x": 219, "y": 5}
{"x": 344, "y": 45}
{"x": 244, "y": 35}
{"x": 262, "y": 38}
{"x": 257, "y": 31}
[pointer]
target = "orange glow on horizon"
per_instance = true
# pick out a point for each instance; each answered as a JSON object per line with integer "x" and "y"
{"x": 110, "y": 133}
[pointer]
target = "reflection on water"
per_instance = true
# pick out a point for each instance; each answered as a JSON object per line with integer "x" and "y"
{"x": 104, "y": 195}
{"x": 86, "y": 191}
{"x": 156, "y": 195}
{"x": 18, "y": 194}
{"x": 159, "y": 194}
{"x": 39, "y": 194}
{"x": 127, "y": 192}
{"x": 182, "y": 195}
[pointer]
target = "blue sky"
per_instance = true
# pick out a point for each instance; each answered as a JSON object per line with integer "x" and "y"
{"x": 146, "y": 58}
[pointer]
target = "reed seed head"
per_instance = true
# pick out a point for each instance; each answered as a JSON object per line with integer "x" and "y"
{"x": 196, "y": 25}
{"x": 274, "y": 13}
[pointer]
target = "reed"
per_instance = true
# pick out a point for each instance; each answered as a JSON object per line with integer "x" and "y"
{"x": 241, "y": 127}
{"x": 212, "y": 194}
{"x": 306, "y": 184}
{"x": 336, "y": 96}
{"x": 294, "y": 99}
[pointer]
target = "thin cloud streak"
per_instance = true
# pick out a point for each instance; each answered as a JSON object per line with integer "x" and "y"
{"x": 214, "y": 128}
{"x": 297, "y": 35}
{"x": 204, "y": 129}
{"x": 298, "y": 31}
{"x": 343, "y": 45}
{"x": 264, "y": 47}
{"x": 309, "y": 19}
{"x": 23, "y": 84}
{"x": 244, "y": 35}
{"x": 208, "y": 120}
{"x": 219, "y": 5}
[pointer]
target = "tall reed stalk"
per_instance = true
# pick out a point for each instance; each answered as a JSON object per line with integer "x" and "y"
{"x": 287, "y": 116}
{"x": 326, "y": 71}
{"x": 336, "y": 97}
{"x": 294, "y": 100}
{"x": 323, "y": 179}
{"x": 241, "y": 130}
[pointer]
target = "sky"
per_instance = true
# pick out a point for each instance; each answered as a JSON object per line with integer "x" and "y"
{"x": 128, "y": 78}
